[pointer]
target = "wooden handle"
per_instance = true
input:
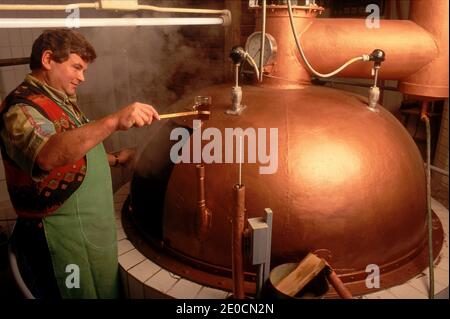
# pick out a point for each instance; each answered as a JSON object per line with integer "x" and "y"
{"x": 338, "y": 285}
{"x": 179, "y": 114}
{"x": 202, "y": 114}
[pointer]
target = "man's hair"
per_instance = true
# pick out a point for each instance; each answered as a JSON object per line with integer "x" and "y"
{"x": 61, "y": 42}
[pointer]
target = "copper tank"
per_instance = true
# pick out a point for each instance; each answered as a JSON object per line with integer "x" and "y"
{"x": 349, "y": 185}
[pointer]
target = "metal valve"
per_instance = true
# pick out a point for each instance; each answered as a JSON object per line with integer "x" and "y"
{"x": 237, "y": 55}
{"x": 377, "y": 56}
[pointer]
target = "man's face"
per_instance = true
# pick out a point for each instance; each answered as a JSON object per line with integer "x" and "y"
{"x": 66, "y": 76}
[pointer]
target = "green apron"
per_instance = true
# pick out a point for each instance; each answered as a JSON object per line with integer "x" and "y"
{"x": 81, "y": 235}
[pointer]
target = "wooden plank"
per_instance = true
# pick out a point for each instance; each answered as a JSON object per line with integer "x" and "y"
{"x": 306, "y": 270}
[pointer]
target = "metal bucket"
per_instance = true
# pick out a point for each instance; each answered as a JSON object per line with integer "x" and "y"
{"x": 315, "y": 289}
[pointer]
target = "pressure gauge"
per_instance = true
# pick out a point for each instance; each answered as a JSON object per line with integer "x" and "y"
{"x": 253, "y": 48}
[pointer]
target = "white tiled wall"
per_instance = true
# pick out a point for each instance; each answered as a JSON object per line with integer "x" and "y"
{"x": 14, "y": 43}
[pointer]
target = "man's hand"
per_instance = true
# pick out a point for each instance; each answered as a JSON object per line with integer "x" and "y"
{"x": 136, "y": 114}
{"x": 69, "y": 146}
{"x": 122, "y": 158}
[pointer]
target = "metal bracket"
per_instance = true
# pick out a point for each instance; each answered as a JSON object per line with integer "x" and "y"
{"x": 261, "y": 243}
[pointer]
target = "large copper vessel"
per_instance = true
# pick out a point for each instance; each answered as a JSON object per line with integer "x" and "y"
{"x": 349, "y": 185}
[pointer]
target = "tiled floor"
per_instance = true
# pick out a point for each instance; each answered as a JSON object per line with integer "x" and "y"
{"x": 141, "y": 274}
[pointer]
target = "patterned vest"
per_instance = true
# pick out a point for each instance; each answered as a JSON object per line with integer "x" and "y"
{"x": 37, "y": 199}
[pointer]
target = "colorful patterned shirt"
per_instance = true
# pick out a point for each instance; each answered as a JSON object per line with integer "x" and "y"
{"x": 26, "y": 130}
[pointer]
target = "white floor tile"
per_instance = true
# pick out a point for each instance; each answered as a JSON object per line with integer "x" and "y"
{"x": 121, "y": 234}
{"x": 440, "y": 277}
{"x": 144, "y": 270}
{"x": 131, "y": 258}
{"x": 184, "y": 289}
{"x": 124, "y": 246}
{"x": 406, "y": 291}
{"x": 423, "y": 285}
{"x": 382, "y": 294}
{"x": 162, "y": 281}
{"x": 442, "y": 263}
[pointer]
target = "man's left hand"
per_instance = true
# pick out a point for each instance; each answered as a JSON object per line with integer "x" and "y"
{"x": 125, "y": 157}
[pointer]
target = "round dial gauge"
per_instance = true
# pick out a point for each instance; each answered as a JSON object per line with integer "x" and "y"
{"x": 253, "y": 48}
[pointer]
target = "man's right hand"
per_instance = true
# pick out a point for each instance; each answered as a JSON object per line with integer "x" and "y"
{"x": 69, "y": 146}
{"x": 136, "y": 114}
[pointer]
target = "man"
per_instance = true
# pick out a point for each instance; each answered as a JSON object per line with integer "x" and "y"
{"x": 58, "y": 176}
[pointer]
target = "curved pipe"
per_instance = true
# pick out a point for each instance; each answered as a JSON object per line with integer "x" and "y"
{"x": 329, "y": 43}
{"x": 408, "y": 47}
{"x": 363, "y": 57}
{"x": 26, "y": 293}
{"x": 432, "y": 79}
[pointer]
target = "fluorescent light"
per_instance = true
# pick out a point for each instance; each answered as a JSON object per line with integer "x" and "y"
{"x": 105, "y": 22}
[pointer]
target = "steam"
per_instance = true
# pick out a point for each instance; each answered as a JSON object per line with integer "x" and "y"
{"x": 153, "y": 65}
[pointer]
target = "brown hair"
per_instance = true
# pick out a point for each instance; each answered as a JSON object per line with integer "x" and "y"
{"x": 61, "y": 42}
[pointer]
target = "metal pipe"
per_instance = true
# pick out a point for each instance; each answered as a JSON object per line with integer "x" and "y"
{"x": 363, "y": 57}
{"x": 338, "y": 285}
{"x": 47, "y": 7}
{"x": 236, "y": 247}
{"x": 408, "y": 45}
{"x": 107, "y": 5}
{"x": 263, "y": 41}
{"x": 182, "y": 10}
{"x": 432, "y": 79}
{"x": 105, "y": 22}
{"x": 253, "y": 64}
{"x": 425, "y": 118}
{"x": 438, "y": 170}
{"x": 14, "y": 61}
{"x": 259, "y": 280}
{"x": 337, "y": 40}
{"x": 14, "y": 266}
{"x": 240, "y": 159}
{"x": 203, "y": 214}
